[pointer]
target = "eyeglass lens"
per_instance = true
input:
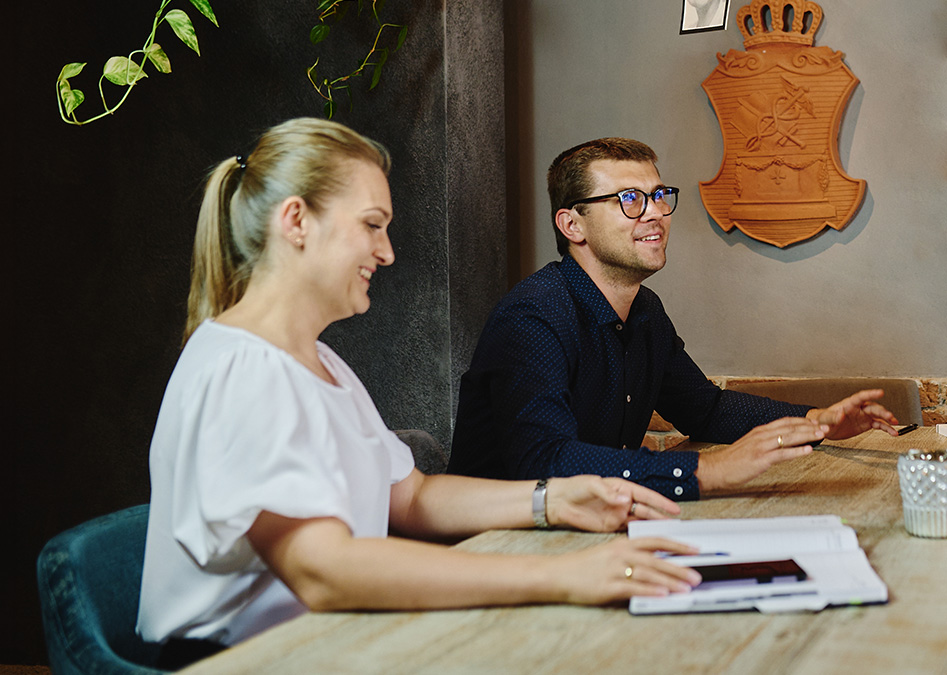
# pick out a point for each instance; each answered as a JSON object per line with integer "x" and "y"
{"x": 635, "y": 201}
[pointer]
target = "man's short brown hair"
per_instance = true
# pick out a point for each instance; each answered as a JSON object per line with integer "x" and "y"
{"x": 568, "y": 176}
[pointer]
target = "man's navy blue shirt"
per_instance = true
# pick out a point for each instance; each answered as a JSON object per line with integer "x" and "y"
{"x": 559, "y": 385}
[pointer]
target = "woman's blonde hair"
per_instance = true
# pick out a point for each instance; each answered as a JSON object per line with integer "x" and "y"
{"x": 305, "y": 157}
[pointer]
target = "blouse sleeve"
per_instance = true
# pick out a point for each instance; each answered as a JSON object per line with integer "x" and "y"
{"x": 254, "y": 438}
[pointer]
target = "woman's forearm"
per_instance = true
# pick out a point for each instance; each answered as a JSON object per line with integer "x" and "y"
{"x": 458, "y": 506}
{"x": 329, "y": 570}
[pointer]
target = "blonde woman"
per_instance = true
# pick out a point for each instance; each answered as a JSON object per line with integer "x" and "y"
{"x": 275, "y": 483}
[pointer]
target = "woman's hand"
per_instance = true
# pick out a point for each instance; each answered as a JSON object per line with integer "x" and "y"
{"x": 601, "y": 504}
{"x": 762, "y": 448}
{"x": 855, "y": 414}
{"x": 623, "y": 567}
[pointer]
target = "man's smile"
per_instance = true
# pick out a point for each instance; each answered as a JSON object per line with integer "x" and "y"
{"x": 649, "y": 237}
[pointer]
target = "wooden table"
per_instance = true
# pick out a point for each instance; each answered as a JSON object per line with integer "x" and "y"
{"x": 855, "y": 479}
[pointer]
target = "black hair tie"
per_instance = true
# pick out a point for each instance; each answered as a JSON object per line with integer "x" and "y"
{"x": 242, "y": 162}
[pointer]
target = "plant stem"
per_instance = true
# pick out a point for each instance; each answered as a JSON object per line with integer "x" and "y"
{"x": 130, "y": 82}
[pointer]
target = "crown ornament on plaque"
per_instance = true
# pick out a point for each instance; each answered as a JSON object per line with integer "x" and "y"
{"x": 783, "y": 22}
{"x": 780, "y": 106}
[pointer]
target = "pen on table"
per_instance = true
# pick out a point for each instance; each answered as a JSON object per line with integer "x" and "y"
{"x": 904, "y": 430}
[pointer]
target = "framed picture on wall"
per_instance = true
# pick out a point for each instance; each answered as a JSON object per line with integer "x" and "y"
{"x": 703, "y": 15}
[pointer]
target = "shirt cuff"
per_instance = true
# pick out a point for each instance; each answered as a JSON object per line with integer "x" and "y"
{"x": 673, "y": 473}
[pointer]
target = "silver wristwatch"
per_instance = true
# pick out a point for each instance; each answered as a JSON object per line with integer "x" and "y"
{"x": 539, "y": 505}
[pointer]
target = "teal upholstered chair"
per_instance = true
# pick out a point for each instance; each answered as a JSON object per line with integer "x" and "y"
{"x": 429, "y": 456}
{"x": 89, "y": 580}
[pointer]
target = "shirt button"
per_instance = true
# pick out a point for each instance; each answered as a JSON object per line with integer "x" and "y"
{"x": 626, "y": 473}
{"x": 677, "y": 473}
{"x": 617, "y": 326}
{"x": 678, "y": 490}
{"x": 628, "y": 398}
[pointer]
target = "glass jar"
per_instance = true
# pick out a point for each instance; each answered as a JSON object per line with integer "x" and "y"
{"x": 923, "y": 478}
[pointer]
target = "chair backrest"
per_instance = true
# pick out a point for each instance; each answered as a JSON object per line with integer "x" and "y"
{"x": 429, "y": 455}
{"x": 89, "y": 584}
{"x": 901, "y": 396}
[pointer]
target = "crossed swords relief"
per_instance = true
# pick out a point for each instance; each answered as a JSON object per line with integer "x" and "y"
{"x": 762, "y": 117}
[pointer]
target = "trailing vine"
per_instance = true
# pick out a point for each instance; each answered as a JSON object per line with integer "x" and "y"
{"x": 128, "y": 71}
{"x": 125, "y": 71}
{"x": 374, "y": 60}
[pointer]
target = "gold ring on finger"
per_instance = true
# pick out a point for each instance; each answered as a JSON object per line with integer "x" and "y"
{"x": 629, "y": 571}
{"x": 779, "y": 441}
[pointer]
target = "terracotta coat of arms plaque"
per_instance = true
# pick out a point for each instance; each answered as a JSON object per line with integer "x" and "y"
{"x": 780, "y": 105}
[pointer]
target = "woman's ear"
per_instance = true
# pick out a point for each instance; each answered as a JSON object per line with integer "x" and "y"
{"x": 291, "y": 215}
{"x": 570, "y": 227}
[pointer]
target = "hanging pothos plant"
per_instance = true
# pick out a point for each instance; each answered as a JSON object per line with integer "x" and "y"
{"x": 127, "y": 71}
{"x": 374, "y": 60}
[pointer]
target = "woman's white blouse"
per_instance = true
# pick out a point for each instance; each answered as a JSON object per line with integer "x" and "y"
{"x": 243, "y": 428}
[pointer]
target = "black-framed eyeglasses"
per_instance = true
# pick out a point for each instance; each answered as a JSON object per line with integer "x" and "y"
{"x": 634, "y": 202}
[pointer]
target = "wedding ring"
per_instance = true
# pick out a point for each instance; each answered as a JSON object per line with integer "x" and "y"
{"x": 779, "y": 441}
{"x": 628, "y": 572}
{"x": 634, "y": 505}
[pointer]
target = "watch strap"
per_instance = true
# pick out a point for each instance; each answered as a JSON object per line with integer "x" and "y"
{"x": 539, "y": 505}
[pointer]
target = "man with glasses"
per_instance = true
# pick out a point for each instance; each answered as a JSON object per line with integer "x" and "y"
{"x": 574, "y": 360}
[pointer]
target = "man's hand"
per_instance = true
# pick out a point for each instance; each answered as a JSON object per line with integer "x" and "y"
{"x": 752, "y": 455}
{"x": 855, "y": 414}
{"x": 601, "y": 504}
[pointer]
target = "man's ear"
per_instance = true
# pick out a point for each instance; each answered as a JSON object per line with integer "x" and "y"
{"x": 570, "y": 227}
{"x": 291, "y": 215}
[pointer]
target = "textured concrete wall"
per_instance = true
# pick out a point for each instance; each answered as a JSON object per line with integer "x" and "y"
{"x": 444, "y": 126}
{"x": 103, "y": 217}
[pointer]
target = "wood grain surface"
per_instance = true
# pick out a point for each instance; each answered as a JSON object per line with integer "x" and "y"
{"x": 855, "y": 479}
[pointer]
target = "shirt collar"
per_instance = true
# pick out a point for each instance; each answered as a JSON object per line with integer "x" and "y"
{"x": 588, "y": 298}
{"x": 592, "y": 302}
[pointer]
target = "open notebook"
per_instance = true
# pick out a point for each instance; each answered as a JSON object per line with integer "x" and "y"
{"x": 836, "y": 570}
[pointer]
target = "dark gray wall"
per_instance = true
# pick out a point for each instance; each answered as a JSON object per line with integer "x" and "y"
{"x": 103, "y": 215}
